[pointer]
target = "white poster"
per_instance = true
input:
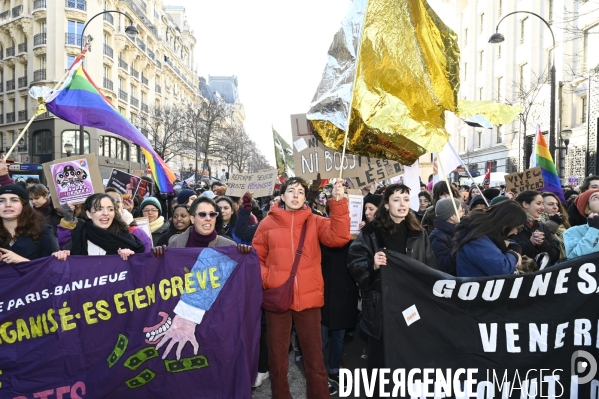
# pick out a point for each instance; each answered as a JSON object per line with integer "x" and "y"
{"x": 356, "y": 204}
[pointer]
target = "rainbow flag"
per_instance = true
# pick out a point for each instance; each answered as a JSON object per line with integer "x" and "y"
{"x": 80, "y": 102}
{"x": 542, "y": 157}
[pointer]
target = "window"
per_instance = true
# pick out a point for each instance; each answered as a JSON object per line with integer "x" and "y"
{"x": 465, "y": 37}
{"x": 480, "y": 138}
{"x": 72, "y": 136}
{"x": 523, "y": 29}
{"x": 42, "y": 61}
{"x": 583, "y": 108}
{"x": 113, "y": 147}
{"x": 481, "y": 56}
{"x": 106, "y": 72}
{"x": 70, "y": 61}
{"x": 74, "y": 29}
{"x": 522, "y": 76}
{"x": 499, "y": 82}
{"x": 42, "y": 142}
{"x": 482, "y": 22}
{"x": 498, "y": 135}
{"x": 499, "y": 52}
{"x": 493, "y": 166}
{"x": 550, "y": 6}
{"x": 134, "y": 153}
{"x": 122, "y": 111}
{"x": 480, "y": 93}
{"x": 122, "y": 84}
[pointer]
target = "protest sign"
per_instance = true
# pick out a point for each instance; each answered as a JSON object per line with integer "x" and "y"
{"x": 530, "y": 179}
{"x": 89, "y": 327}
{"x": 145, "y": 189}
{"x": 529, "y": 333}
{"x": 259, "y": 184}
{"x": 356, "y": 204}
{"x": 144, "y": 224}
{"x": 73, "y": 179}
{"x": 124, "y": 182}
{"x": 311, "y": 157}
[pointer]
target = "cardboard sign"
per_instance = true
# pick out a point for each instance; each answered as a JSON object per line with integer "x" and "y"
{"x": 144, "y": 224}
{"x": 311, "y": 157}
{"x": 73, "y": 179}
{"x": 530, "y": 179}
{"x": 124, "y": 182}
{"x": 138, "y": 172}
{"x": 356, "y": 204}
{"x": 259, "y": 184}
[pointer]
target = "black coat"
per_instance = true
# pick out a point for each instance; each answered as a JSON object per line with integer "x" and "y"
{"x": 361, "y": 267}
{"x": 52, "y": 217}
{"x": 340, "y": 310}
{"x": 442, "y": 243}
{"x": 529, "y": 249}
{"x": 574, "y": 217}
{"x": 25, "y": 246}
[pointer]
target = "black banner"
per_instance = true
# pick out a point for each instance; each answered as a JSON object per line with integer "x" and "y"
{"x": 518, "y": 336}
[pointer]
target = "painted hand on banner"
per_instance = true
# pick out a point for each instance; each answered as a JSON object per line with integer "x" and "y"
{"x": 125, "y": 253}
{"x": 380, "y": 259}
{"x": 180, "y": 333}
{"x": 11, "y": 257}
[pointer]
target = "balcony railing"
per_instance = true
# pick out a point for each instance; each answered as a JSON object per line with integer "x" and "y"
{"x": 159, "y": 64}
{"x": 158, "y": 89}
{"x": 78, "y": 4}
{"x": 10, "y": 84}
{"x": 108, "y": 50}
{"x": 167, "y": 88}
{"x": 39, "y": 4}
{"x": 22, "y": 47}
{"x": 141, "y": 45}
{"x": 123, "y": 95}
{"x": 1, "y": 118}
{"x": 10, "y": 51}
{"x": 40, "y": 74}
{"x": 144, "y": 107}
{"x": 109, "y": 18}
{"x": 23, "y": 115}
{"x": 10, "y": 117}
{"x": 22, "y": 82}
{"x": 151, "y": 55}
{"x": 16, "y": 11}
{"x": 1, "y": 88}
{"x": 123, "y": 64}
{"x": 134, "y": 73}
{"x": 134, "y": 101}
{"x": 5, "y": 15}
{"x": 144, "y": 80}
{"x": 39, "y": 39}
{"x": 72, "y": 38}
{"x": 108, "y": 84}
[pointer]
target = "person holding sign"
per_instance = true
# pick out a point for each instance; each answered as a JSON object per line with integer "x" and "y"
{"x": 277, "y": 241}
{"x": 583, "y": 239}
{"x": 151, "y": 208}
{"x": 24, "y": 234}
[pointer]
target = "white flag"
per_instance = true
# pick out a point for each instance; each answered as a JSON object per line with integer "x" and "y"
{"x": 449, "y": 158}
{"x": 411, "y": 178}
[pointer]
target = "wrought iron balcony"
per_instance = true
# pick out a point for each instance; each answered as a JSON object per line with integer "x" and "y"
{"x": 22, "y": 47}
{"x": 144, "y": 107}
{"x": 72, "y": 38}
{"x": 159, "y": 64}
{"x": 108, "y": 50}
{"x": 108, "y": 84}
{"x": 134, "y": 73}
{"x": 78, "y": 4}
{"x": 17, "y": 11}
{"x": 1, "y": 88}
{"x": 22, "y": 82}
{"x": 151, "y": 55}
{"x": 10, "y": 51}
{"x": 123, "y": 64}
{"x": 5, "y": 15}
{"x": 158, "y": 89}
{"x": 39, "y": 39}
{"x": 123, "y": 95}
{"x": 23, "y": 115}
{"x": 134, "y": 101}
{"x": 1, "y": 118}
{"x": 144, "y": 80}
{"x": 40, "y": 74}
{"x": 39, "y": 4}
{"x": 10, "y": 117}
{"x": 10, "y": 84}
{"x": 141, "y": 45}
{"x": 109, "y": 18}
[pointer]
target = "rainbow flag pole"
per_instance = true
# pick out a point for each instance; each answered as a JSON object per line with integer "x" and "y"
{"x": 542, "y": 157}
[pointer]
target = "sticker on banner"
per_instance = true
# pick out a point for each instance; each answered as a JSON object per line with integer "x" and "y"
{"x": 411, "y": 315}
{"x": 300, "y": 144}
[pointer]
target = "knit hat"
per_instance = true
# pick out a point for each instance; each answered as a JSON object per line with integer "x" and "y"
{"x": 477, "y": 199}
{"x": 151, "y": 201}
{"x": 208, "y": 194}
{"x": 374, "y": 199}
{"x": 499, "y": 199}
{"x": 580, "y": 201}
{"x": 15, "y": 189}
{"x": 444, "y": 209}
{"x": 184, "y": 196}
{"x": 570, "y": 193}
{"x": 491, "y": 193}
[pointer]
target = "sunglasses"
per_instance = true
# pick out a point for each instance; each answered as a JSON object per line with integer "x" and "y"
{"x": 211, "y": 215}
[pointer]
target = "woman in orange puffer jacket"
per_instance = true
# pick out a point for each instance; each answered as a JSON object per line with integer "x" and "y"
{"x": 276, "y": 241}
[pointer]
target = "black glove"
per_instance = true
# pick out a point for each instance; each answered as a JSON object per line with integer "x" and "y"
{"x": 67, "y": 213}
{"x": 557, "y": 219}
{"x": 593, "y": 222}
{"x": 515, "y": 247}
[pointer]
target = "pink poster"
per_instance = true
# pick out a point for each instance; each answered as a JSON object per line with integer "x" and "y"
{"x": 72, "y": 180}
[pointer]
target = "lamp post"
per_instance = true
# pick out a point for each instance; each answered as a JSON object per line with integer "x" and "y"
{"x": 131, "y": 31}
{"x": 498, "y": 38}
{"x": 564, "y": 137}
{"x": 68, "y": 148}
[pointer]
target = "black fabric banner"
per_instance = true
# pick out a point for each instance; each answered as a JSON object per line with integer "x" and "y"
{"x": 518, "y": 336}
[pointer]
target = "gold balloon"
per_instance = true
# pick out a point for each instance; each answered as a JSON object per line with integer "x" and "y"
{"x": 404, "y": 71}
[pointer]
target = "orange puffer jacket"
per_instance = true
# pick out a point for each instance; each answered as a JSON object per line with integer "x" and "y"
{"x": 276, "y": 241}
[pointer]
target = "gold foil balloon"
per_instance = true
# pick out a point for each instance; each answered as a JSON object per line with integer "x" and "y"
{"x": 404, "y": 63}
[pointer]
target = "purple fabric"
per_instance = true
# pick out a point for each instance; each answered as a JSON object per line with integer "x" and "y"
{"x": 92, "y": 339}
{"x": 63, "y": 235}
{"x": 5, "y": 180}
{"x": 197, "y": 240}
{"x": 143, "y": 237}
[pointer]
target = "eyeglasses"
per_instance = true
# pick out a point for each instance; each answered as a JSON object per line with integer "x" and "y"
{"x": 150, "y": 210}
{"x": 210, "y": 215}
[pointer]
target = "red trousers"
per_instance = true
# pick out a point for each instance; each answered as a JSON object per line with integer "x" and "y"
{"x": 307, "y": 324}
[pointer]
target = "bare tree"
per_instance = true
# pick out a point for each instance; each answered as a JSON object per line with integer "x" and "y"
{"x": 236, "y": 149}
{"x": 164, "y": 127}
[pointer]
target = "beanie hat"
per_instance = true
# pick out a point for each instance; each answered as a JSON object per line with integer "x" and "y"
{"x": 16, "y": 190}
{"x": 374, "y": 199}
{"x": 570, "y": 193}
{"x": 208, "y": 194}
{"x": 477, "y": 199}
{"x": 580, "y": 201}
{"x": 491, "y": 193}
{"x": 151, "y": 201}
{"x": 444, "y": 209}
{"x": 184, "y": 196}
{"x": 499, "y": 199}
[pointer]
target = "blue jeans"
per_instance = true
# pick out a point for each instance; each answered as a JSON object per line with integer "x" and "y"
{"x": 335, "y": 343}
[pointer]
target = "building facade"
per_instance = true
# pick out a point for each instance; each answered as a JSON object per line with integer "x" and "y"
{"x": 39, "y": 40}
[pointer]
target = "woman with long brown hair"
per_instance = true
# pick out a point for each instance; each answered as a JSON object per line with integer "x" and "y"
{"x": 24, "y": 234}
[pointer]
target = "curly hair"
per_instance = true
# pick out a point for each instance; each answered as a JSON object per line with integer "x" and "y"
{"x": 29, "y": 224}
{"x": 382, "y": 218}
{"x": 93, "y": 202}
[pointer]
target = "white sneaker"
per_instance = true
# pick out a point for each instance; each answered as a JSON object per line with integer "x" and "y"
{"x": 260, "y": 379}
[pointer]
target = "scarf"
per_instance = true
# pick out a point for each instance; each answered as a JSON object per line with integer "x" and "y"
{"x": 108, "y": 241}
{"x": 42, "y": 208}
{"x": 156, "y": 224}
{"x": 197, "y": 240}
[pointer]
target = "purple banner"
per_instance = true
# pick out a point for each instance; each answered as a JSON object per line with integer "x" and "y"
{"x": 184, "y": 326}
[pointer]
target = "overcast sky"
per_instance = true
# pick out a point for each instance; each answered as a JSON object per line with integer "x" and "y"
{"x": 277, "y": 49}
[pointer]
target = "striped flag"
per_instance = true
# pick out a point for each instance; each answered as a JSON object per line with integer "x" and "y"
{"x": 542, "y": 157}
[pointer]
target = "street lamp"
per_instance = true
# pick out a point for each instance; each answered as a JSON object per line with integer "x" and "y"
{"x": 564, "y": 137}
{"x": 498, "y": 38}
{"x": 131, "y": 32}
{"x": 68, "y": 148}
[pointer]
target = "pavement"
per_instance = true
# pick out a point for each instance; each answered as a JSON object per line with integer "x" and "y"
{"x": 353, "y": 357}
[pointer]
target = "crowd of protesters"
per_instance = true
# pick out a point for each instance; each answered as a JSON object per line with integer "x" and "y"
{"x": 460, "y": 230}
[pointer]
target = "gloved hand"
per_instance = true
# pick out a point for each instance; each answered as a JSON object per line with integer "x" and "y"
{"x": 68, "y": 212}
{"x": 246, "y": 202}
{"x": 556, "y": 218}
{"x": 593, "y": 220}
